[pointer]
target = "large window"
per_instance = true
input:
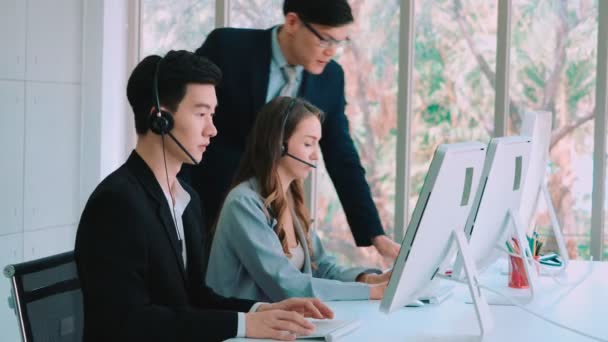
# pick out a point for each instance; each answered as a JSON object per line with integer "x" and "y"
{"x": 553, "y": 63}
{"x": 175, "y": 25}
{"x": 260, "y": 14}
{"x": 453, "y": 100}
{"x": 370, "y": 65}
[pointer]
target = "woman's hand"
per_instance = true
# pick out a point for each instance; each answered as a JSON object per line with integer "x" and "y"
{"x": 371, "y": 278}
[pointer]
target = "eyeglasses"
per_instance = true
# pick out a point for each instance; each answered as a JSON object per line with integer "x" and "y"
{"x": 325, "y": 43}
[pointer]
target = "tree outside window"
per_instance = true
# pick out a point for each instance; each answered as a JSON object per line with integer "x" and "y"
{"x": 175, "y": 25}
{"x": 553, "y": 67}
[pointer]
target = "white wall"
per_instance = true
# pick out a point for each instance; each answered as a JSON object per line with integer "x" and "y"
{"x": 65, "y": 123}
{"x": 107, "y": 121}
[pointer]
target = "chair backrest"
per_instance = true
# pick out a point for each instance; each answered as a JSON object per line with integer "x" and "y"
{"x": 47, "y": 298}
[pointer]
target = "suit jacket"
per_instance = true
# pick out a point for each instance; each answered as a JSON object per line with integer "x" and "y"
{"x": 245, "y": 243}
{"x": 134, "y": 283}
{"x": 244, "y": 56}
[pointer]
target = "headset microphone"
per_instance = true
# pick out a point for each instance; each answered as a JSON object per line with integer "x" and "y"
{"x": 300, "y": 160}
{"x": 182, "y": 147}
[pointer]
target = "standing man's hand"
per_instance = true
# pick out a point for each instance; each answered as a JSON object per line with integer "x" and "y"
{"x": 374, "y": 278}
{"x": 277, "y": 324}
{"x": 376, "y": 291}
{"x": 308, "y": 307}
{"x": 386, "y": 247}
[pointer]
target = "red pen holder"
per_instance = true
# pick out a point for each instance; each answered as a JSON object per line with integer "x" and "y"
{"x": 518, "y": 278}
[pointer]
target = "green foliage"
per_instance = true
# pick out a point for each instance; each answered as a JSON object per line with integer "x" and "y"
{"x": 436, "y": 114}
{"x": 584, "y": 250}
{"x": 534, "y": 74}
{"x": 528, "y": 9}
{"x": 473, "y": 123}
{"x": 580, "y": 82}
{"x": 530, "y": 93}
{"x": 426, "y": 141}
{"x": 474, "y": 78}
{"x": 429, "y": 59}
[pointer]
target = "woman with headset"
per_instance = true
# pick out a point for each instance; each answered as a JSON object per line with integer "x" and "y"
{"x": 263, "y": 235}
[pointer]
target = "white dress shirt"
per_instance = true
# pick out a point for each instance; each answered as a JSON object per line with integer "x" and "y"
{"x": 182, "y": 199}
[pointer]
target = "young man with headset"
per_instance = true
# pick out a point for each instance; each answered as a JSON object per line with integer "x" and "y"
{"x": 292, "y": 59}
{"x": 139, "y": 244}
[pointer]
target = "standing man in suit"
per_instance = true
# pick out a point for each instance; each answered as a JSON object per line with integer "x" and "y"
{"x": 292, "y": 59}
{"x": 139, "y": 245}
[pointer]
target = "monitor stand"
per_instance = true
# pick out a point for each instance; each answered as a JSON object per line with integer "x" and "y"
{"x": 557, "y": 231}
{"x": 484, "y": 317}
{"x": 510, "y": 223}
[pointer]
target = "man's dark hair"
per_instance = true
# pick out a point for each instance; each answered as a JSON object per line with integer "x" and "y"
{"x": 176, "y": 70}
{"x": 333, "y": 13}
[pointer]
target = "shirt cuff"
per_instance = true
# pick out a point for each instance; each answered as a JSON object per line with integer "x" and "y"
{"x": 241, "y": 327}
{"x": 255, "y": 306}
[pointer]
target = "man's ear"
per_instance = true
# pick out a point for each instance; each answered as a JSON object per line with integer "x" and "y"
{"x": 292, "y": 22}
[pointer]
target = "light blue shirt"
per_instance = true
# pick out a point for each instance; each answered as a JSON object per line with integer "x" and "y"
{"x": 246, "y": 244}
{"x": 276, "y": 80}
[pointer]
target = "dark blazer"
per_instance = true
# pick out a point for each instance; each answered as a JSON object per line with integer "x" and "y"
{"x": 134, "y": 284}
{"x": 244, "y": 57}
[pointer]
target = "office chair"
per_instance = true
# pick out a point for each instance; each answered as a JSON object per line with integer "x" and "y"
{"x": 47, "y": 298}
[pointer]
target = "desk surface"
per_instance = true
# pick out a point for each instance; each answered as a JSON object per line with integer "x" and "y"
{"x": 584, "y": 307}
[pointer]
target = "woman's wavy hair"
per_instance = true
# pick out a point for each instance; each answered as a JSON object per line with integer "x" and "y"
{"x": 274, "y": 125}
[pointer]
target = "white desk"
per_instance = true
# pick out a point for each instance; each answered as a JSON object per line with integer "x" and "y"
{"x": 584, "y": 308}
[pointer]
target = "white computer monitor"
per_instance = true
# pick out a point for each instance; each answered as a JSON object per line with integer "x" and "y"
{"x": 537, "y": 126}
{"x": 442, "y": 208}
{"x": 489, "y": 225}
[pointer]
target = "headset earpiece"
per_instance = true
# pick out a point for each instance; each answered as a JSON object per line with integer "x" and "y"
{"x": 161, "y": 122}
{"x": 284, "y": 123}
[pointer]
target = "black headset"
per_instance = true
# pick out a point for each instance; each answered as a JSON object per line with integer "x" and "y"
{"x": 290, "y": 106}
{"x": 160, "y": 121}
{"x": 284, "y": 151}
